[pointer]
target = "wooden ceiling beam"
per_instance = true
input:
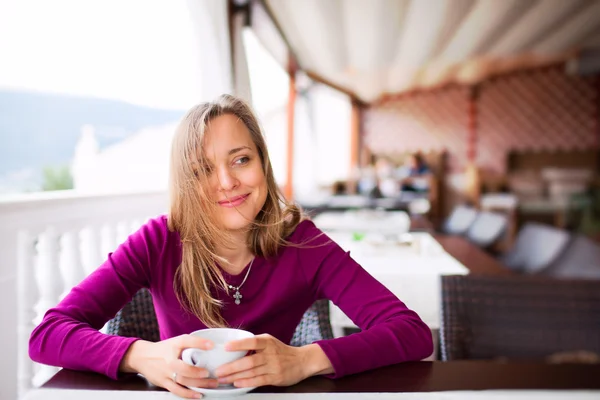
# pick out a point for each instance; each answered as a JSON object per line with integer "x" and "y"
{"x": 317, "y": 78}
{"x": 271, "y": 15}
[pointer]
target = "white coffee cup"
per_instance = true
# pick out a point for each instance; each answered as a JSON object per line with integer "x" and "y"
{"x": 216, "y": 356}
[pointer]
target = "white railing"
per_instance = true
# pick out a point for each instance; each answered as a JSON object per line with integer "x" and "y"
{"x": 48, "y": 243}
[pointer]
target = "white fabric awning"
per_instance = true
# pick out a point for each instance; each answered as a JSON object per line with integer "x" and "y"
{"x": 373, "y": 47}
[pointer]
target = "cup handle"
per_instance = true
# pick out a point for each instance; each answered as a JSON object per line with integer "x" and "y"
{"x": 194, "y": 357}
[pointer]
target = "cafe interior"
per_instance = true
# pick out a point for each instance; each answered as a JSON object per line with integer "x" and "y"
{"x": 500, "y": 104}
{"x": 472, "y": 192}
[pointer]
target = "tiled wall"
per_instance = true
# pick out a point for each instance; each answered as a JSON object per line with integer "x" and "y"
{"x": 425, "y": 121}
{"x": 537, "y": 109}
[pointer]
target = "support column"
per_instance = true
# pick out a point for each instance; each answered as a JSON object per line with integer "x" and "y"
{"x": 291, "y": 113}
{"x": 239, "y": 17}
{"x": 472, "y": 173}
{"x": 472, "y": 124}
{"x": 597, "y": 116}
{"x": 355, "y": 144}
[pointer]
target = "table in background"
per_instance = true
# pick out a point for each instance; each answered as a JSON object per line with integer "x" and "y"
{"x": 474, "y": 258}
{"x": 408, "y": 263}
{"x": 342, "y": 203}
{"x": 363, "y": 221}
{"x": 411, "y": 270}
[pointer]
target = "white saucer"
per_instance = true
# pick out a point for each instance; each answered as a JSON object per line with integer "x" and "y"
{"x": 223, "y": 391}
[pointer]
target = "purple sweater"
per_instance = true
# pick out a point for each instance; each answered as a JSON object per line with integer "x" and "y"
{"x": 276, "y": 294}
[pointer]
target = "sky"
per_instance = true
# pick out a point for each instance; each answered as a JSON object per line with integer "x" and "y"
{"x": 140, "y": 51}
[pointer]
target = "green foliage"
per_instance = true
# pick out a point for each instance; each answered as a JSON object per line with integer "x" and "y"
{"x": 589, "y": 204}
{"x": 57, "y": 178}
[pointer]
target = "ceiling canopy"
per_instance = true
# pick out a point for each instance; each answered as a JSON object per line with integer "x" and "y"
{"x": 370, "y": 48}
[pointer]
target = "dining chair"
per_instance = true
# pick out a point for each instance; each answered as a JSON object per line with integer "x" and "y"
{"x": 487, "y": 228}
{"x": 138, "y": 319}
{"x": 580, "y": 259}
{"x": 518, "y": 317}
{"x": 535, "y": 248}
{"x": 314, "y": 325}
{"x": 459, "y": 221}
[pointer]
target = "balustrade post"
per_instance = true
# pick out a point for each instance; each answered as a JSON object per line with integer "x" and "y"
{"x": 70, "y": 261}
{"x": 108, "y": 240}
{"x": 90, "y": 249}
{"x": 50, "y": 286}
{"x": 135, "y": 224}
{"x": 27, "y": 294}
{"x": 122, "y": 232}
{"x": 48, "y": 273}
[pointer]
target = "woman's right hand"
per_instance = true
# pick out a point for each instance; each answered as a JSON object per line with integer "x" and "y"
{"x": 158, "y": 361}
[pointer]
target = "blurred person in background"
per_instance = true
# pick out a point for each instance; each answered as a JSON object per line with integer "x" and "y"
{"x": 414, "y": 174}
{"x": 387, "y": 183}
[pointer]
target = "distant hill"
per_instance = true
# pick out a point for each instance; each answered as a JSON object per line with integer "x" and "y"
{"x": 38, "y": 130}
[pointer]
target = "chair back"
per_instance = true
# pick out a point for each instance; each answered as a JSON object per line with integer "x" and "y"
{"x": 314, "y": 325}
{"x": 487, "y": 228}
{"x": 138, "y": 319}
{"x": 536, "y": 247}
{"x": 517, "y": 317}
{"x": 459, "y": 221}
{"x": 580, "y": 259}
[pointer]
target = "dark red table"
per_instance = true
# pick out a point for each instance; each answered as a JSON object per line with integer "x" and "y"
{"x": 408, "y": 377}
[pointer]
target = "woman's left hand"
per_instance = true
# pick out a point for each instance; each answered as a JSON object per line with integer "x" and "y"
{"x": 273, "y": 363}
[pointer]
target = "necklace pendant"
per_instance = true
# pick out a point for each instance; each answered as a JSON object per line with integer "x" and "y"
{"x": 237, "y": 296}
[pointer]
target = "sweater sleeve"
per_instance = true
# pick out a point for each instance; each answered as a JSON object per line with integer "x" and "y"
{"x": 390, "y": 332}
{"x": 69, "y": 336}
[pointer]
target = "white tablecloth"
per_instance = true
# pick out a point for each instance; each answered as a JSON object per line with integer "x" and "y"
{"x": 393, "y": 222}
{"x": 67, "y": 394}
{"x": 411, "y": 271}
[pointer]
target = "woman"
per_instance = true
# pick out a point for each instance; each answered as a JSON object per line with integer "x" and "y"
{"x": 231, "y": 252}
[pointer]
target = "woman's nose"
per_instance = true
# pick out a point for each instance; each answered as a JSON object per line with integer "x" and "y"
{"x": 227, "y": 179}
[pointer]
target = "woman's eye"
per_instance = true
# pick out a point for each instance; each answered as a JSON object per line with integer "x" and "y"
{"x": 207, "y": 169}
{"x": 242, "y": 160}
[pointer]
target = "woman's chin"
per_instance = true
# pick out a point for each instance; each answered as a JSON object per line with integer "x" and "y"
{"x": 237, "y": 224}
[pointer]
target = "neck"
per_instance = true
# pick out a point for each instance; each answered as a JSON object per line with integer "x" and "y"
{"x": 238, "y": 255}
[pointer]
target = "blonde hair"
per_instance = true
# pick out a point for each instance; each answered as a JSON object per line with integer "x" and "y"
{"x": 192, "y": 213}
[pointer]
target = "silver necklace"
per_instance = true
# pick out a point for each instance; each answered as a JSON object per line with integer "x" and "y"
{"x": 237, "y": 296}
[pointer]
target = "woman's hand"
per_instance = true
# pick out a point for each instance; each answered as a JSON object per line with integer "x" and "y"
{"x": 273, "y": 363}
{"x": 158, "y": 361}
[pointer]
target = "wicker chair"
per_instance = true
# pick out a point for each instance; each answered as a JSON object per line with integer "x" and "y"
{"x": 537, "y": 246}
{"x": 487, "y": 317}
{"x": 138, "y": 319}
{"x": 487, "y": 228}
{"x": 580, "y": 260}
{"x": 459, "y": 221}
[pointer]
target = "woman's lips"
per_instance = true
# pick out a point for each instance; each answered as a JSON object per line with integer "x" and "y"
{"x": 234, "y": 201}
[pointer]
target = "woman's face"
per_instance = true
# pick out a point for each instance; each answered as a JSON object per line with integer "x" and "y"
{"x": 411, "y": 162}
{"x": 235, "y": 172}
